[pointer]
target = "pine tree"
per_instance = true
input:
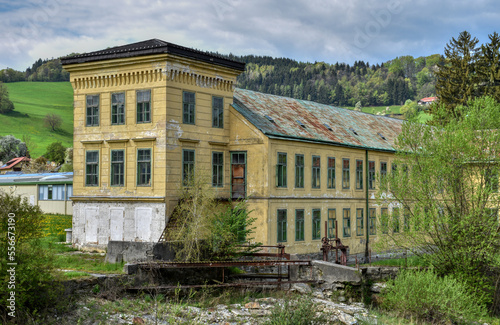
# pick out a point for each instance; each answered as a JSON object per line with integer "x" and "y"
{"x": 489, "y": 68}
{"x": 457, "y": 79}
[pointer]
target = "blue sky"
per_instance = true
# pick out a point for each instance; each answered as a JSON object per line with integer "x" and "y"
{"x": 305, "y": 30}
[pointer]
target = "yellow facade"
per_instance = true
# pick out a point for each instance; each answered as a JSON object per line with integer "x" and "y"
{"x": 266, "y": 197}
{"x": 163, "y": 134}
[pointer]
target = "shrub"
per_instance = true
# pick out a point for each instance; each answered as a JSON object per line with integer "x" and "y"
{"x": 33, "y": 282}
{"x": 428, "y": 297}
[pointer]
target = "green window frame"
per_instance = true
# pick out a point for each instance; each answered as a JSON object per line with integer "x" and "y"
{"x": 372, "y": 219}
{"x": 406, "y": 219}
{"x": 491, "y": 179}
{"x": 144, "y": 167}
{"x": 316, "y": 224}
{"x": 299, "y": 171}
{"x": 281, "y": 175}
{"x": 188, "y": 160}
{"x": 316, "y": 172}
{"x": 332, "y": 217}
{"x": 331, "y": 173}
{"x": 299, "y": 225}
{"x": 383, "y": 170}
{"x": 384, "y": 220}
{"x": 92, "y": 168}
{"x": 217, "y": 169}
{"x": 117, "y": 168}
{"x": 143, "y": 99}
{"x": 188, "y": 107}
{"x": 360, "y": 224}
{"x": 371, "y": 175}
{"x": 346, "y": 222}
{"x": 346, "y": 175}
{"x": 395, "y": 220}
{"x": 359, "y": 174}
{"x": 282, "y": 225}
{"x": 92, "y": 110}
{"x": 217, "y": 112}
{"x": 118, "y": 109}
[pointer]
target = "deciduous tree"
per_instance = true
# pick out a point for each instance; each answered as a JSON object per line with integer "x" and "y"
{"x": 52, "y": 121}
{"x": 446, "y": 188}
{"x": 5, "y": 104}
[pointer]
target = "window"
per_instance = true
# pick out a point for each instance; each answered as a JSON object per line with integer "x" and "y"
{"x": 347, "y": 222}
{"x": 117, "y": 167}
{"x": 406, "y": 219}
{"x": 217, "y": 112}
{"x": 217, "y": 169}
{"x": 345, "y": 174}
{"x": 371, "y": 175}
{"x": 316, "y": 224}
{"x": 394, "y": 167}
{"x": 69, "y": 191}
{"x": 359, "y": 174}
{"x": 118, "y": 108}
{"x": 144, "y": 167}
{"x": 51, "y": 192}
{"x": 395, "y": 220}
{"x": 491, "y": 179}
{"x": 372, "y": 219}
{"x": 316, "y": 172}
{"x": 281, "y": 225}
{"x": 92, "y": 168}
{"x": 383, "y": 170}
{"x": 299, "y": 171}
{"x": 332, "y": 218}
{"x": 188, "y": 107}
{"x": 143, "y": 106}
{"x": 331, "y": 173}
{"x": 384, "y": 220}
{"x": 281, "y": 170}
{"x": 359, "y": 222}
{"x": 187, "y": 166}
{"x": 299, "y": 225}
{"x": 92, "y": 110}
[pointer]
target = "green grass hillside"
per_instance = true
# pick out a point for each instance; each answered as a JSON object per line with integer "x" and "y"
{"x": 32, "y": 102}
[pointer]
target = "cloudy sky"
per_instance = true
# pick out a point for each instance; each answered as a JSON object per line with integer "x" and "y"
{"x": 305, "y": 30}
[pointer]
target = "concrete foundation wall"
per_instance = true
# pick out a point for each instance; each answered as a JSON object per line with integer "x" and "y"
{"x": 96, "y": 223}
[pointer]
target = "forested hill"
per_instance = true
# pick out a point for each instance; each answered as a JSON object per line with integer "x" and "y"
{"x": 390, "y": 83}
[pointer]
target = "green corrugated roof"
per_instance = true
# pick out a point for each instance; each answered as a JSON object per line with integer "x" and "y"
{"x": 302, "y": 120}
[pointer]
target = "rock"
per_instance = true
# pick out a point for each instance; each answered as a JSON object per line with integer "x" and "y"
{"x": 301, "y": 288}
{"x": 377, "y": 287}
{"x": 252, "y": 305}
{"x": 347, "y": 319}
{"x": 138, "y": 321}
{"x": 318, "y": 294}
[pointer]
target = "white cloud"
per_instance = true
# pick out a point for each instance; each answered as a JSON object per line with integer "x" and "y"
{"x": 307, "y": 30}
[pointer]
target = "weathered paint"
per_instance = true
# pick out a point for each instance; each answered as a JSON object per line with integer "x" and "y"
{"x": 263, "y": 140}
{"x": 166, "y": 70}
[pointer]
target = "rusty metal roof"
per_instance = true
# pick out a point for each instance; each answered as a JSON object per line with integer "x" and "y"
{"x": 149, "y": 47}
{"x": 301, "y": 120}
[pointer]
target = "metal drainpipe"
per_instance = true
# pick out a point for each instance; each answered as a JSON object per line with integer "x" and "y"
{"x": 367, "y": 209}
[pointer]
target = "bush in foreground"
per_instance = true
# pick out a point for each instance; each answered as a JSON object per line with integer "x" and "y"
{"x": 428, "y": 297}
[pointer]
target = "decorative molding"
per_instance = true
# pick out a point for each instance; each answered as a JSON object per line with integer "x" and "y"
{"x": 119, "y": 79}
{"x": 189, "y": 140}
{"x": 117, "y": 140}
{"x": 92, "y": 141}
{"x": 218, "y": 143}
{"x": 143, "y": 139}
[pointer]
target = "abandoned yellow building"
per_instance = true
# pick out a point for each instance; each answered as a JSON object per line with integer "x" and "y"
{"x": 149, "y": 114}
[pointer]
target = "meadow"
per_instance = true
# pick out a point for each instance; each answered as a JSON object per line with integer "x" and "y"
{"x": 32, "y": 102}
